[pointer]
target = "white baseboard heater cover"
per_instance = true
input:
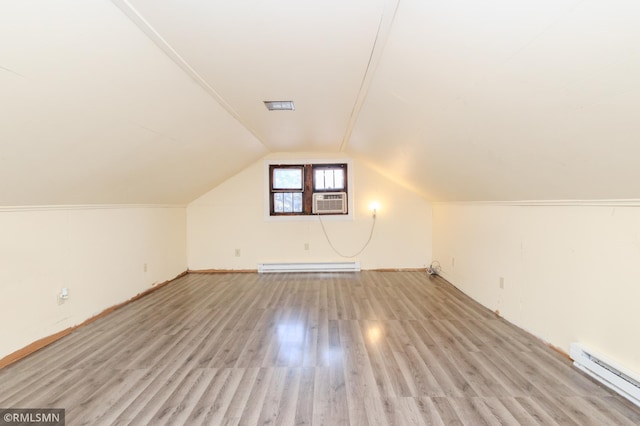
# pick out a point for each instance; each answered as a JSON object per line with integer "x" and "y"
{"x": 308, "y": 267}
{"x": 605, "y": 371}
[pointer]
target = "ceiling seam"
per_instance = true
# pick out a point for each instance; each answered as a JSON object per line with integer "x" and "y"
{"x": 138, "y": 20}
{"x": 379, "y": 42}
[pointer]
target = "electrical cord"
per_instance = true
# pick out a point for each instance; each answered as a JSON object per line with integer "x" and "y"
{"x": 434, "y": 268}
{"x": 373, "y": 225}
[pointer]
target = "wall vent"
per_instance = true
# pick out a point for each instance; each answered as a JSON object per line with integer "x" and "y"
{"x": 330, "y": 202}
{"x": 605, "y": 371}
{"x": 309, "y": 267}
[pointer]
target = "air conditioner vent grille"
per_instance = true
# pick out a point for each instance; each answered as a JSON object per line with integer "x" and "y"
{"x": 330, "y": 202}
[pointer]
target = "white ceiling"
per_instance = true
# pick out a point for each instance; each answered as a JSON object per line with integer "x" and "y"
{"x": 148, "y": 101}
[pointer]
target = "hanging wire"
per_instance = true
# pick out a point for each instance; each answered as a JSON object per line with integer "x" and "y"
{"x": 373, "y": 225}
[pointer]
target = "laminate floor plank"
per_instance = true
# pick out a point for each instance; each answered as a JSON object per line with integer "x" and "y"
{"x": 374, "y": 332}
{"x": 252, "y": 411}
{"x": 408, "y": 412}
{"x": 103, "y": 400}
{"x": 480, "y": 379}
{"x": 241, "y": 395}
{"x": 205, "y": 406}
{"x": 446, "y": 361}
{"x": 544, "y": 407}
{"x": 175, "y": 408}
{"x": 622, "y": 406}
{"x": 23, "y": 383}
{"x": 446, "y": 383}
{"x": 516, "y": 410}
{"x": 148, "y": 403}
{"x": 220, "y": 406}
{"x": 288, "y": 404}
{"x": 368, "y": 348}
{"x": 584, "y": 412}
{"x": 407, "y": 355}
{"x": 473, "y": 411}
{"x": 428, "y": 411}
{"x": 513, "y": 384}
{"x": 446, "y": 411}
{"x": 388, "y": 348}
{"x": 502, "y": 413}
{"x": 311, "y": 339}
{"x": 359, "y": 379}
{"x": 56, "y": 386}
{"x": 306, "y": 397}
{"x": 273, "y": 396}
{"x": 610, "y": 408}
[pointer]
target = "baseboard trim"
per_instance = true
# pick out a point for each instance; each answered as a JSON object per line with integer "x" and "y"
{"x": 46, "y": 341}
{"x": 33, "y": 347}
{"x": 398, "y": 270}
{"x": 255, "y": 271}
{"x": 223, "y": 271}
{"x": 558, "y": 350}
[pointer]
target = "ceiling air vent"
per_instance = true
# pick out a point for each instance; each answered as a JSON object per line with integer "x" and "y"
{"x": 279, "y": 105}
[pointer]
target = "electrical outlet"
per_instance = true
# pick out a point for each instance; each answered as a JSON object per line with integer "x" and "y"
{"x": 63, "y": 295}
{"x": 453, "y": 262}
{"x": 237, "y": 252}
{"x": 501, "y": 283}
{"x": 144, "y": 267}
{"x": 306, "y": 246}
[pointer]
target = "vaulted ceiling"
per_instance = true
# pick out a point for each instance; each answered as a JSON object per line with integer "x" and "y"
{"x": 147, "y": 101}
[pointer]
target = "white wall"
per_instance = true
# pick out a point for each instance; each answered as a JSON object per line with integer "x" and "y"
{"x": 98, "y": 253}
{"x": 571, "y": 272}
{"x": 232, "y": 216}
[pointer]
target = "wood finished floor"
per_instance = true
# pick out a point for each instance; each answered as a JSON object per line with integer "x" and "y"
{"x": 372, "y": 348}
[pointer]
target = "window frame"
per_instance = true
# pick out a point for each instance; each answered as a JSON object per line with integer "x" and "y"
{"x": 309, "y": 167}
{"x": 328, "y": 166}
{"x": 273, "y": 190}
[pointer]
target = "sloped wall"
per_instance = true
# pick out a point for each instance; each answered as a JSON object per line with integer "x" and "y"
{"x": 98, "y": 253}
{"x": 232, "y": 217}
{"x": 571, "y": 273}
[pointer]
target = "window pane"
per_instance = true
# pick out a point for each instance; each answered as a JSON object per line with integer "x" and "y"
{"x": 319, "y": 179}
{"x": 297, "y": 202}
{"x": 278, "y": 205}
{"x": 338, "y": 178}
{"x": 287, "y": 178}
{"x": 287, "y": 202}
{"x": 328, "y": 179}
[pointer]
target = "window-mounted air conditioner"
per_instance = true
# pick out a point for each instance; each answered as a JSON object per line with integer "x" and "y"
{"x": 330, "y": 202}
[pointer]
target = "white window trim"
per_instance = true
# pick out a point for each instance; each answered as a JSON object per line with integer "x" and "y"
{"x": 307, "y": 218}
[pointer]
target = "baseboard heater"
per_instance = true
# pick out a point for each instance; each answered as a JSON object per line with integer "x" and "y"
{"x": 309, "y": 267}
{"x": 605, "y": 371}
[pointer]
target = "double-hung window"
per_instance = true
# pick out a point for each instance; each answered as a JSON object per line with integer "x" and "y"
{"x": 287, "y": 188}
{"x": 329, "y": 177}
{"x": 292, "y": 186}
